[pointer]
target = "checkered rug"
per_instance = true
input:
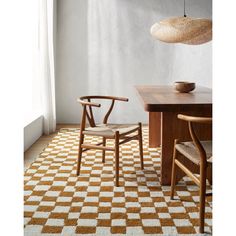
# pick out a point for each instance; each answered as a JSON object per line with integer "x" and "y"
{"x": 57, "y": 202}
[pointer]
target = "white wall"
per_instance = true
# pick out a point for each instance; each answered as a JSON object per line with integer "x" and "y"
{"x": 105, "y": 47}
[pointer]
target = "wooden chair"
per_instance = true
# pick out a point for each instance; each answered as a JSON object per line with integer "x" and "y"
{"x": 198, "y": 152}
{"x": 120, "y": 133}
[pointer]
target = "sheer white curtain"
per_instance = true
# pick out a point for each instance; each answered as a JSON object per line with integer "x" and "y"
{"x": 47, "y": 63}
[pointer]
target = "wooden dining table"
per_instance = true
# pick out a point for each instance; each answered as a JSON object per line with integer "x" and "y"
{"x": 163, "y": 104}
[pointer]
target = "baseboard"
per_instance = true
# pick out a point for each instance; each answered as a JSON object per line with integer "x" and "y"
{"x": 32, "y": 132}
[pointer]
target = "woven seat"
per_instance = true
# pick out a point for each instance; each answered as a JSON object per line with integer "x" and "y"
{"x": 107, "y": 130}
{"x": 189, "y": 150}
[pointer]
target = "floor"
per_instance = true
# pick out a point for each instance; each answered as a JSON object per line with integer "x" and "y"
{"x": 58, "y": 202}
{"x": 33, "y": 152}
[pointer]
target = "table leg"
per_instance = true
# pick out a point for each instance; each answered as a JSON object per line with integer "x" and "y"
{"x": 154, "y": 129}
{"x": 173, "y": 128}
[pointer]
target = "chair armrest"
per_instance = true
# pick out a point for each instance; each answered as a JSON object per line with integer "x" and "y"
{"x": 105, "y": 97}
{"x": 92, "y": 104}
{"x": 120, "y": 99}
{"x": 204, "y": 120}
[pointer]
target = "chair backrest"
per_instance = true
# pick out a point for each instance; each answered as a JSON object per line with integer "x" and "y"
{"x": 86, "y": 102}
{"x": 196, "y": 141}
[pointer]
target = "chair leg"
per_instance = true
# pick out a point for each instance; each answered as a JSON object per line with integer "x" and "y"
{"x": 202, "y": 198}
{"x": 209, "y": 174}
{"x": 80, "y": 153}
{"x": 140, "y": 144}
{"x": 117, "y": 157}
{"x": 173, "y": 174}
{"x": 103, "y": 151}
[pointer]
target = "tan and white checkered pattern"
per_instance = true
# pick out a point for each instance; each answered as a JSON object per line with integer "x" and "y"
{"x": 57, "y": 202}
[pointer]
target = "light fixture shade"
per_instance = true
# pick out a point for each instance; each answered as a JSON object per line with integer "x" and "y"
{"x": 185, "y": 30}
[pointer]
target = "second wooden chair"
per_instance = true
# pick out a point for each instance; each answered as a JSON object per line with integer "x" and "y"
{"x": 198, "y": 152}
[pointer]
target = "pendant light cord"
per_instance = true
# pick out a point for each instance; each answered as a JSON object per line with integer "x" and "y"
{"x": 184, "y": 10}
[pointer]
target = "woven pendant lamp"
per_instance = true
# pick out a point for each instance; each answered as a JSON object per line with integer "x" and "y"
{"x": 183, "y": 29}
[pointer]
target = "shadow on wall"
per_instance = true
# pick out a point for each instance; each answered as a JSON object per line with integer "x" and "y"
{"x": 123, "y": 54}
{"x": 72, "y": 58}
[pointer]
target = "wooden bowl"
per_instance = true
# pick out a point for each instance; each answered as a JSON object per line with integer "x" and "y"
{"x": 184, "y": 87}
